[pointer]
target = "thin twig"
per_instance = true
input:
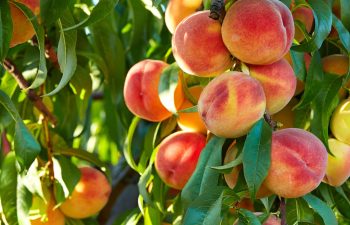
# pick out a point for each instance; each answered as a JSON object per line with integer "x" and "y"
{"x": 49, "y": 148}
{"x": 283, "y": 212}
{"x": 217, "y": 10}
{"x": 32, "y": 96}
{"x": 272, "y": 123}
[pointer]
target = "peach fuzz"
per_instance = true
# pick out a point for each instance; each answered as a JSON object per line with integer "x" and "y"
{"x": 286, "y": 116}
{"x": 278, "y": 81}
{"x": 271, "y": 220}
{"x": 177, "y": 10}
{"x": 231, "y": 178}
{"x": 22, "y": 28}
{"x": 89, "y": 196}
{"x": 338, "y": 65}
{"x": 338, "y": 167}
{"x": 231, "y": 103}
{"x": 306, "y": 17}
{"x": 177, "y": 157}
{"x": 298, "y": 163}
{"x": 258, "y": 32}
{"x": 141, "y": 91}
{"x": 53, "y": 216}
{"x": 191, "y": 121}
{"x": 340, "y": 122}
{"x": 198, "y": 47}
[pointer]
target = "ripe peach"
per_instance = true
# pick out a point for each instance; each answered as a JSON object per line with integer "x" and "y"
{"x": 305, "y": 16}
{"x": 177, "y": 157}
{"x": 298, "y": 163}
{"x": 22, "y": 28}
{"x": 338, "y": 167}
{"x": 177, "y": 10}
{"x": 141, "y": 91}
{"x": 231, "y": 103}
{"x": 194, "y": 38}
{"x": 53, "y": 216}
{"x": 191, "y": 121}
{"x": 340, "y": 122}
{"x": 278, "y": 81}
{"x": 258, "y": 32}
{"x": 286, "y": 116}
{"x": 231, "y": 178}
{"x": 271, "y": 220}
{"x": 89, "y": 196}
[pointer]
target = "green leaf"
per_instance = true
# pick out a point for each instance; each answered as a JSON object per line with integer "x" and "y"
{"x": 323, "y": 24}
{"x": 5, "y": 29}
{"x": 298, "y": 211}
{"x": 321, "y": 208}
{"x": 257, "y": 155}
{"x": 99, "y": 12}
{"x": 189, "y": 110}
{"x": 51, "y": 10}
{"x": 26, "y": 147}
{"x": 24, "y": 202}
{"x": 298, "y": 64}
{"x": 345, "y": 13}
{"x": 8, "y": 189}
{"x": 142, "y": 185}
{"x": 66, "y": 54}
{"x": 341, "y": 201}
{"x": 323, "y": 106}
{"x": 246, "y": 217}
{"x": 227, "y": 168}
{"x": 40, "y": 35}
{"x": 167, "y": 86}
{"x": 152, "y": 216}
{"x": 127, "y": 150}
{"x": 204, "y": 177}
{"x": 67, "y": 174}
{"x": 206, "y": 209}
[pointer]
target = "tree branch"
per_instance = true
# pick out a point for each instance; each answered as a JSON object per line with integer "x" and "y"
{"x": 31, "y": 94}
{"x": 217, "y": 10}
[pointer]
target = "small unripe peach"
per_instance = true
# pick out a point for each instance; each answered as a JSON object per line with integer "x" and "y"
{"x": 340, "y": 122}
{"x": 338, "y": 167}
{"x": 90, "y": 194}
{"x": 231, "y": 104}
{"x": 258, "y": 32}
{"x": 278, "y": 81}
{"x": 177, "y": 157}
{"x": 141, "y": 91}
{"x": 298, "y": 163}
{"x": 196, "y": 37}
{"x": 191, "y": 121}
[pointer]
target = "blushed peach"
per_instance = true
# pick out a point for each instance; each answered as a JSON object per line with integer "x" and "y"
{"x": 231, "y": 103}
{"x": 338, "y": 167}
{"x": 340, "y": 122}
{"x": 177, "y": 10}
{"x": 141, "y": 91}
{"x": 90, "y": 194}
{"x": 198, "y": 47}
{"x": 258, "y": 32}
{"x": 177, "y": 157}
{"x": 191, "y": 121}
{"x": 278, "y": 81}
{"x": 298, "y": 163}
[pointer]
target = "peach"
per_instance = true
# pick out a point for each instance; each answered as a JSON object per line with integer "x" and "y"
{"x": 305, "y": 16}
{"x": 278, "y": 81}
{"x": 51, "y": 216}
{"x": 177, "y": 157}
{"x": 90, "y": 194}
{"x": 22, "y": 28}
{"x": 33, "y": 5}
{"x": 298, "y": 163}
{"x": 258, "y": 32}
{"x": 177, "y": 10}
{"x": 191, "y": 121}
{"x": 286, "y": 116}
{"x": 340, "y": 122}
{"x": 231, "y": 178}
{"x": 338, "y": 167}
{"x": 141, "y": 91}
{"x": 271, "y": 220}
{"x": 198, "y": 47}
{"x": 231, "y": 104}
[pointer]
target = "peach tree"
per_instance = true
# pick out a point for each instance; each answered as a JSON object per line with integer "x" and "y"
{"x": 174, "y": 112}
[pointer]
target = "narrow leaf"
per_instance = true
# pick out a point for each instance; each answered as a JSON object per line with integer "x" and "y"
{"x": 5, "y": 28}
{"x": 167, "y": 86}
{"x": 51, "y": 10}
{"x": 321, "y": 208}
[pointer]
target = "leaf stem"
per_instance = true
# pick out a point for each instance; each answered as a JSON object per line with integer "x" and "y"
{"x": 31, "y": 94}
